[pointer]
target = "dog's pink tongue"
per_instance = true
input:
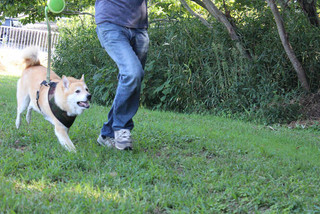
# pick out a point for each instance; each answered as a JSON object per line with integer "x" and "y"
{"x": 84, "y": 104}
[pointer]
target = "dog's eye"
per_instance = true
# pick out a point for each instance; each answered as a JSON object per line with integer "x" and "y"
{"x": 87, "y": 89}
{"x": 78, "y": 91}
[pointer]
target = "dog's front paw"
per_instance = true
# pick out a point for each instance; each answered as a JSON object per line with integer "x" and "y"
{"x": 62, "y": 134}
{"x": 18, "y": 121}
{"x": 28, "y": 116}
{"x": 70, "y": 148}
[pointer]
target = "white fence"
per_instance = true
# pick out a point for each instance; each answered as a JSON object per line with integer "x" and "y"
{"x": 13, "y": 37}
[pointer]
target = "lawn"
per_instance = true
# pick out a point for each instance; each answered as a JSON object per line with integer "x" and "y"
{"x": 180, "y": 164}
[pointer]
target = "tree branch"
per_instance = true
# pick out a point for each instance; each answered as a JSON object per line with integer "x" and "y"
{"x": 213, "y": 10}
{"x": 72, "y": 12}
{"x": 185, "y": 4}
{"x": 310, "y": 9}
{"x": 199, "y": 2}
{"x": 287, "y": 46}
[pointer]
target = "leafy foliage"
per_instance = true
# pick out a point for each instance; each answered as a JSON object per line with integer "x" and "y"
{"x": 33, "y": 10}
{"x": 193, "y": 69}
{"x": 187, "y": 73}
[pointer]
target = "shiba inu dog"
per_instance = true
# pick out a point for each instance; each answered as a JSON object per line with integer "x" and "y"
{"x": 59, "y": 101}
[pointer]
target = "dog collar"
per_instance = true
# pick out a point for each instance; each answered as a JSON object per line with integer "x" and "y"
{"x": 61, "y": 115}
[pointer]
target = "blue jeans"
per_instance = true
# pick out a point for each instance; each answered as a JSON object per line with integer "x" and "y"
{"x": 128, "y": 48}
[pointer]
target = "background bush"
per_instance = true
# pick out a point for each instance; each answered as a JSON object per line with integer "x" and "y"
{"x": 191, "y": 68}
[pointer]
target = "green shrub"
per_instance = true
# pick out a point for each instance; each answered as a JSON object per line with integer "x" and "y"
{"x": 193, "y": 69}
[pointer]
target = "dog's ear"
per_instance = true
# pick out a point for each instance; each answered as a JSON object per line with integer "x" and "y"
{"x": 82, "y": 78}
{"x": 65, "y": 81}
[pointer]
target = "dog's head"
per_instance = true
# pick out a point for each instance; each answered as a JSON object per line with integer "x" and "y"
{"x": 72, "y": 95}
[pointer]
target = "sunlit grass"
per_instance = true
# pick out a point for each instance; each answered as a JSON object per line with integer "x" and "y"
{"x": 180, "y": 164}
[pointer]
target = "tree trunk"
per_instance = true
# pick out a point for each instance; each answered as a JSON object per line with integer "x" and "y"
{"x": 199, "y": 2}
{"x": 287, "y": 46}
{"x": 185, "y": 4}
{"x": 310, "y": 9}
{"x": 214, "y": 11}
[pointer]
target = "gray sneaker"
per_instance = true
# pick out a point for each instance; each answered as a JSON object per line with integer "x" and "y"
{"x": 123, "y": 140}
{"x": 106, "y": 141}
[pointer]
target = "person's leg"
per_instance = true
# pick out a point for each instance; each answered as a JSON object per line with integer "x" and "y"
{"x": 107, "y": 126}
{"x": 140, "y": 44}
{"x": 118, "y": 43}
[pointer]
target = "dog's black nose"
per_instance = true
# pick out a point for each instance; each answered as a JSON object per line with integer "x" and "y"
{"x": 89, "y": 97}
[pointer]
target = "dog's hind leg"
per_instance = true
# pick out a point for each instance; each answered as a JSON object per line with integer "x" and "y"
{"x": 23, "y": 101}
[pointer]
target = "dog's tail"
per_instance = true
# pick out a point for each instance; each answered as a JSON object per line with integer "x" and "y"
{"x": 31, "y": 57}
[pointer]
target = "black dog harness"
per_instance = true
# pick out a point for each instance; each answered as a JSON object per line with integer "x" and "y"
{"x": 61, "y": 115}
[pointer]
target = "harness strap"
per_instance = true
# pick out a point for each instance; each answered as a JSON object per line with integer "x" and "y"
{"x": 38, "y": 93}
{"x": 61, "y": 115}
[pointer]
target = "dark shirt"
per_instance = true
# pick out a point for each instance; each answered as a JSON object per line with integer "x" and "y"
{"x": 127, "y": 13}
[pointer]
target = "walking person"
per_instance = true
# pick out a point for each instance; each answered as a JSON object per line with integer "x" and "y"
{"x": 122, "y": 31}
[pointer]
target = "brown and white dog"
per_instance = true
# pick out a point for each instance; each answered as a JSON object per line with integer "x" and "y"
{"x": 59, "y": 102}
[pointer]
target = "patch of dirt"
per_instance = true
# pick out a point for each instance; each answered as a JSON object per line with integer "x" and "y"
{"x": 311, "y": 109}
{"x": 20, "y": 147}
{"x": 311, "y": 106}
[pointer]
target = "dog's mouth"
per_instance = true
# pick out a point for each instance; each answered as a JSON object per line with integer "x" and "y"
{"x": 83, "y": 104}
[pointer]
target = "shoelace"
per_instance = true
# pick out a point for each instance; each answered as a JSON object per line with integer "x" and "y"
{"x": 124, "y": 134}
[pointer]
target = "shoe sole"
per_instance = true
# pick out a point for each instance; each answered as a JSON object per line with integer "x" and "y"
{"x": 100, "y": 144}
{"x": 126, "y": 147}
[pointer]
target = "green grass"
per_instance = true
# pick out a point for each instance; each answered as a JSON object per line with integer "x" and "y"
{"x": 180, "y": 164}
